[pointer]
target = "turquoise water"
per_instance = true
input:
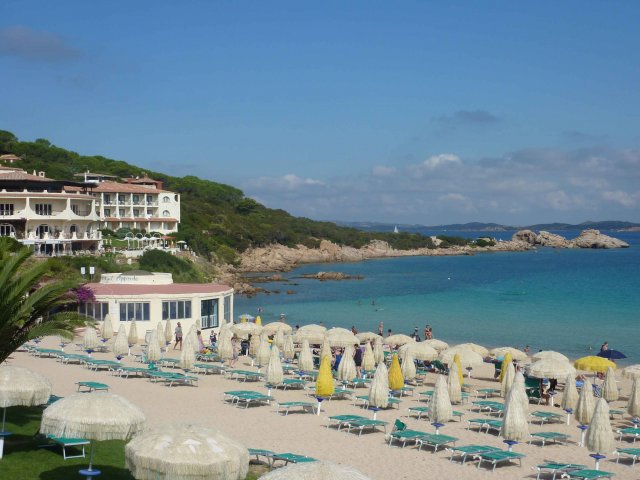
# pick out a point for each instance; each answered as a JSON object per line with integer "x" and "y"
{"x": 565, "y": 300}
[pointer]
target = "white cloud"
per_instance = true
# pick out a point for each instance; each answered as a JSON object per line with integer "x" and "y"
{"x": 383, "y": 171}
{"x": 623, "y": 198}
{"x": 289, "y": 182}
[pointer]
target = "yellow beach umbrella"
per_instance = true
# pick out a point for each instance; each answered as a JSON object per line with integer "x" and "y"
{"x": 453, "y": 384}
{"x": 396, "y": 380}
{"x": 594, "y": 364}
{"x": 324, "y": 383}
{"x": 258, "y": 320}
{"x": 456, "y": 361}
{"x": 506, "y": 361}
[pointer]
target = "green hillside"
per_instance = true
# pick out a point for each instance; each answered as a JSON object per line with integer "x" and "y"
{"x": 217, "y": 219}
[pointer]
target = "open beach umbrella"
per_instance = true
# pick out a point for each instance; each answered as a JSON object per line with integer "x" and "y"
{"x": 274, "y": 373}
{"x": 420, "y": 350}
{"x": 92, "y": 416}
{"x": 90, "y": 338}
{"x": 314, "y": 333}
{"x": 278, "y": 339}
{"x": 549, "y": 355}
{"x": 507, "y": 379}
{"x": 288, "y": 350}
{"x": 305, "y": 360}
{"x": 378, "y": 351}
{"x": 315, "y": 471}
{"x": 243, "y": 330}
{"x": 408, "y": 365}
{"x": 20, "y": 386}
{"x": 631, "y": 372}
{"x": 187, "y": 355}
{"x": 506, "y": 361}
{"x": 593, "y": 363}
{"x": 396, "y": 380}
{"x": 160, "y": 336}
{"x": 379, "y": 387}
{"x": 584, "y": 408}
{"x": 273, "y": 327}
{"x": 264, "y": 351}
{"x": 468, "y": 358}
{"x": 132, "y": 338}
{"x": 551, "y": 368}
{"x": 153, "y": 348}
{"x": 570, "y": 394}
{"x": 439, "y": 345}
{"x": 185, "y": 452}
{"x": 368, "y": 359}
{"x": 475, "y": 347}
{"x": 325, "y": 351}
{"x": 367, "y": 336}
{"x": 515, "y": 426}
{"x": 398, "y": 339}
{"x": 440, "y": 409}
{"x": 347, "y": 367}
{"x": 107, "y": 328}
{"x": 599, "y": 439}
{"x": 610, "y": 388}
{"x": 325, "y": 387}
{"x": 168, "y": 332}
{"x": 453, "y": 384}
{"x": 517, "y": 355}
{"x": 633, "y": 406}
{"x": 612, "y": 355}
{"x": 340, "y": 337}
{"x": 520, "y": 391}
{"x": 121, "y": 345}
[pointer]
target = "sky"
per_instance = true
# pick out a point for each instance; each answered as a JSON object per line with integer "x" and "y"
{"x": 400, "y": 112}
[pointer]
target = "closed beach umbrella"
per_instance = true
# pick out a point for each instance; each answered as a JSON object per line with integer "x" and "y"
{"x": 468, "y": 358}
{"x": 168, "y": 332}
{"x": 193, "y": 333}
{"x": 599, "y": 439}
{"x": 258, "y": 320}
{"x": 90, "y": 338}
{"x": 570, "y": 395}
{"x": 274, "y": 373}
{"x": 439, "y": 345}
{"x": 367, "y": 336}
{"x": 610, "y": 388}
{"x": 517, "y": 355}
{"x": 378, "y": 352}
{"x": 515, "y": 426}
{"x": 520, "y": 391}
{"x": 398, "y": 340}
{"x": 453, "y": 384}
{"x": 420, "y": 350}
{"x": 325, "y": 351}
{"x": 593, "y": 364}
{"x": 288, "y": 350}
{"x": 379, "y": 388}
{"x": 632, "y": 372}
{"x": 347, "y": 367}
{"x": 549, "y": 355}
{"x": 507, "y": 379}
{"x": 262, "y": 357}
{"x": 315, "y": 471}
{"x": 186, "y": 452}
{"x": 340, "y": 337}
{"x": 324, "y": 383}
{"x": 225, "y": 345}
{"x": 305, "y": 360}
{"x": 92, "y": 416}
{"x": 552, "y": 368}
{"x": 121, "y": 345}
{"x": 584, "y": 409}
{"x": 20, "y": 386}
{"x": 132, "y": 338}
{"x": 278, "y": 339}
{"x": 368, "y": 360}
{"x": 506, "y": 361}
{"x": 408, "y": 365}
{"x": 254, "y": 343}
{"x": 458, "y": 366}
{"x": 187, "y": 355}
{"x": 153, "y": 348}
{"x": 440, "y": 409}
{"x": 160, "y": 336}
{"x": 396, "y": 380}
{"x": 633, "y": 407}
{"x": 273, "y": 327}
{"x": 107, "y": 328}
{"x": 475, "y": 347}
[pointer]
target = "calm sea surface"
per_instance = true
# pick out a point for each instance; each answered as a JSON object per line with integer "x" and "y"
{"x": 565, "y": 300}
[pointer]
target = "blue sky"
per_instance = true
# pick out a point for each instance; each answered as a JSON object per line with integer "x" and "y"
{"x": 418, "y": 112}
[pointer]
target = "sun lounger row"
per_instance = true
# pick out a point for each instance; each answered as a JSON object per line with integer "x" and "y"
{"x": 246, "y": 398}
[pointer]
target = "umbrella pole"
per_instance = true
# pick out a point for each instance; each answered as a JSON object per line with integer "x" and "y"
{"x": 4, "y": 417}
{"x": 90, "y": 472}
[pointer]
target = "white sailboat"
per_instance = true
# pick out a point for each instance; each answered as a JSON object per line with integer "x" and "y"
{"x": 395, "y": 230}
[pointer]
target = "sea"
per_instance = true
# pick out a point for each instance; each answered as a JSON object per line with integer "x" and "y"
{"x": 568, "y": 300}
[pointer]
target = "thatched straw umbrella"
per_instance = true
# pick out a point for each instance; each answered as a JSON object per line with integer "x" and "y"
{"x": 506, "y": 361}
{"x": 93, "y": 416}
{"x": 121, "y": 345}
{"x": 396, "y": 380}
{"x": 633, "y": 407}
{"x": 187, "y": 355}
{"x": 90, "y": 339}
{"x": 420, "y": 350}
{"x": 153, "y": 348}
{"x": 507, "y": 379}
{"x": 243, "y": 330}
{"x": 569, "y": 397}
{"x": 20, "y": 386}
{"x": 398, "y": 340}
{"x": 313, "y": 333}
{"x": 186, "y": 452}
{"x": 632, "y": 372}
{"x": 378, "y": 352}
{"x": 288, "y": 350}
{"x": 340, "y": 337}
{"x": 305, "y": 360}
{"x": 325, "y": 350}
{"x": 132, "y": 338}
{"x": 552, "y": 368}
{"x": 347, "y": 367}
{"x": 475, "y": 347}
{"x": 273, "y": 327}
{"x": 440, "y": 409}
{"x": 584, "y": 408}
{"x": 408, "y": 365}
{"x": 439, "y": 345}
{"x": 274, "y": 373}
{"x": 549, "y": 355}
{"x": 468, "y": 358}
{"x": 599, "y": 439}
{"x": 520, "y": 391}
{"x": 160, "y": 330}
{"x": 315, "y": 471}
{"x": 453, "y": 384}
{"x": 262, "y": 357}
{"x": 324, "y": 383}
{"x": 379, "y": 388}
{"x": 516, "y": 354}
{"x": 168, "y": 332}
{"x": 366, "y": 337}
{"x": 193, "y": 334}
{"x": 515, "y": 426}
{"x": 610, "y": 388}
{"x": 225, "y": 345}
{"x": 368, "y": 360}
{"x": 458, "y": 365}
{"x": 278, "y": 339}
{"x": 254, "y": 344}
{"x": 107, "y": 328}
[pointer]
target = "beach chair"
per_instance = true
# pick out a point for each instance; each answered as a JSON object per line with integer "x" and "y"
{"x": 248, "y": 398}
{"x": 633, "y": 432}
{"x": 554, "y": 437}
{"x": 402, "y": 434}
{"x": 361, "y": 425}
{"x": 288, "y": 458}
{"x": 267, "y": 454}
{"x": 633, "y": 453}
{"x": 180, "y": 379}
{"x": 304, "y": 407}
{"x": 487, "y": 392}
{"x": 126, "y": 372}
{"x": 293, "y": 383}
{"x": 555, "y": 468}
{"x": 498, "y": 457}
{"x": 587, "y": 474}
{"x": 478, "y": 422}
{"x": 470, "y": 450}
{"x": 340, "y": 421}
{"x": 547, "y": 417}
{"x": 419, "y": 411}
{"x": 435, "y": 440}
{"x": 439, "y": 367}
{"x": 341, "y": 393}
{"x": 92, "y": 386}
{"x": 65, "y": 443}
{"x": 207, "y": 368}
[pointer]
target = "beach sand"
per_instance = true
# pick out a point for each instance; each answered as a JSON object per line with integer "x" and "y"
{"x": 261, "y": 427}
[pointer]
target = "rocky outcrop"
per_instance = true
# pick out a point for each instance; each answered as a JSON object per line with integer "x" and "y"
{"x": 586, "y": 239}
{"x": 324, "y": 276}
{"x": 595, "y": 239}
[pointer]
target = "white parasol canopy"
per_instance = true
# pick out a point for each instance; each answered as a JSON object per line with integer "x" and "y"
{"x": 153, "y": 349}
{"x": 314, "y": 333}
{"x": 107, "y": 328}
{"x": 468, "y": 358}
{"x": 132, "y": 338}
{"x": 379, "y": 388}
{"x": 550, "y": 367}
{"x": 187, "y": 355}
{"x": 584, "y": 409}
{"x": 398, "y": 339}
{"x": 439, "y": 345}
{"x": 408, "y": 365}
{"x": 288, "y": 350}
{"x": 570, "y": 395}
{"x": 475, "y": 347}
{"x": 273, "y": 327}
{"x": 20, "y": 386}
{"x": 516, "y": 354}
{"x": 549, "y": 355}
{"x": 168, "y": 332}
{"x": 274, "y": 373}
{"x": 262, "y": 357}
{"x": 368, "y": 360}
{"x": 186, "y": 452}
{"x": 610, "y": 388}
{"x": 254, "y": 344}
{"x": 378, "y": 352}
{"x": 420, "y": 350}
{"x": 632, "y": 372}
{"x": 367, "y": 336}
{"x": 453, "y": 384}
{"x": 243, "y": 330}
{"x": 225, "y": 344}
{"x": 121, "y": 345}
{"x": 440, "y": 409}
{"x": 599, "y": 437}
{"x": 507, "y": 380}
{"x": 305, "y": 360}
{"x": 520, "y": 391}
{"x": 341, "y": 337}
{"x": 160, "y": 336}
{"x": 514, "y": 421}
{"x": 90, "y": 338}
{"x": 347, "y": 367}
{"x": 278, "y": 339}
{"x": 633, "y": 406}
{"x": 315, "y": 471}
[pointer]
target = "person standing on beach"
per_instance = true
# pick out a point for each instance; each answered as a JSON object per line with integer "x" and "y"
{"x": 428, "y": 332}
{"x": 604, "y": 347}
{"x": 380, "y": 329}
{"x": 178, "y": 333}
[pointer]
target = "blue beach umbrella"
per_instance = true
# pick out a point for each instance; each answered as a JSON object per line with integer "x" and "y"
{"x": 612, "y": 354}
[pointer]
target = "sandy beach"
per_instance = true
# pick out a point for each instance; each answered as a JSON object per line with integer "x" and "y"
{"x": 262, "y": 427}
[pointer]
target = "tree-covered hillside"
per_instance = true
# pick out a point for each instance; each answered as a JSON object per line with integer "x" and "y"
{"x": 217, "y": 219}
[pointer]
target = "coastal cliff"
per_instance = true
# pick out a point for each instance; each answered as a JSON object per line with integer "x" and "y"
{"x": 587, "y": 239}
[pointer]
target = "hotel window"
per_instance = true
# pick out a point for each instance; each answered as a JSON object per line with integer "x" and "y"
{"x": 134, "y": 311}
{"x": 176, "y": 310}
{"x": 7, "y": 230}
{"x": 121, "y": 199}
{"x": 150, "y": 212}
{"x": 165, "y": 213}
{"x": 149, "y": 199}
{"x": 227, "y": 309}
{"x": 122, "y": 212}
{"x": 136, "y": 199}
{"x": 166, "y": 199}
{"x": 95, "y": 310}
{"x": 209, "y": 313}
{"x": 6, "y": 209}
{"x": 107, "y": 199}
{"x": 74, "y": 209}
{"x": 43, "y": 208}
{"x": 107, "y": 212}
{"x": 136, "y": 212}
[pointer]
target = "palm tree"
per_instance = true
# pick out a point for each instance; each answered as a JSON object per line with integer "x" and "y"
{"x": 29, "y": 306}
